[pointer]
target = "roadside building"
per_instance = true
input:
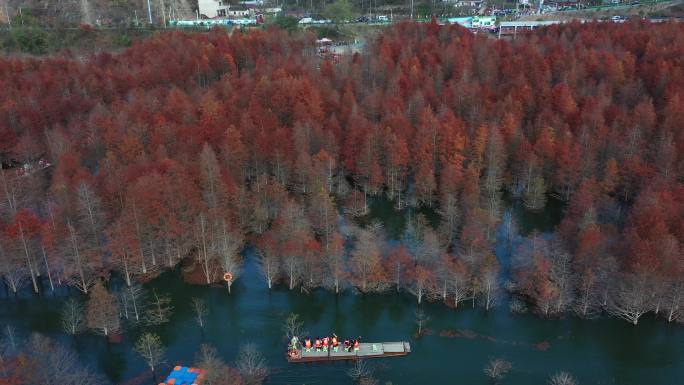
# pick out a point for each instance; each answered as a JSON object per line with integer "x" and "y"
{"x": 468, "y": 3}
{"x": 212, "y": 8}
{"x": 221, "y": 8}
{"x": 238, "y": 11}
{"x": 474, "y": 22}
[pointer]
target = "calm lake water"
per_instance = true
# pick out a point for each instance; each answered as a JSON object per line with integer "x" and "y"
{"x": 600, "y": 351}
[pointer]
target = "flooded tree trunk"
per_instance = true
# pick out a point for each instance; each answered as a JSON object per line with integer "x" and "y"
{"x": 29, "y": 261}
{"x": 139, "y": 235}
{"x": 203, "y": 254}
{"x": 152, "y": 253}
{"x": 47, "y": 269}
{"x": 77, "y": 254}
{"x": 127, "y": 272}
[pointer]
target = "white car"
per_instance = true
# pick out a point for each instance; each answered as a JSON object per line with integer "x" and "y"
{"x": 306, "y": 20}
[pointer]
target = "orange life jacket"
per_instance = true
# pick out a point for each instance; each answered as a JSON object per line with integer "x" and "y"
{"x": 307, "y": 343}
{"x": 318, "y": 343}
{"x": 356, "y": 343}
{"x": 334, "y": 341}
{"x": 326, "y": 341}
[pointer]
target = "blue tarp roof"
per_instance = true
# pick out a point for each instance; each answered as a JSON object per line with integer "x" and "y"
{"x": 182, "y": 376}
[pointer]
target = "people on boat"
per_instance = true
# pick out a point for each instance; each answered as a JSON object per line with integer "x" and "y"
{"x": 294, "y": 353}
{"x": 326, "y": 343}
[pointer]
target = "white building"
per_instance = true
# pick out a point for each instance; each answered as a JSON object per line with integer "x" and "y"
{"x": 212, "y": 8}
{"x": 238, "y": 11}
{"x": 468, "y": 3}
{"x": 221, "y": 8}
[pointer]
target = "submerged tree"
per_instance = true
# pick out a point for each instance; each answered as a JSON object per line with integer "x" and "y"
{"x": 631, "y": 300}
{"x": 292, "y": 327}
{"x": 159, "y": 310}
{"x": 3, "y": 353}
{"x": 216, "y": 371}
{"x": 10, "y": 336}
{"x": 151, "y": 349}
{"x": 47, "y": 362}
{"x": 72, "y": 317}
{"x": 361, "y": 373}
{"x": 133, "y": 302}
{"x": 251, "y": 365}
{"x": 366, "y": 264}
{"x": 200, "y": 309}
{"x": 497, "y": 368}
{"x": 562, "y": 378}
{"x": 421, "y": 320}
{"x": 102, "y": 311}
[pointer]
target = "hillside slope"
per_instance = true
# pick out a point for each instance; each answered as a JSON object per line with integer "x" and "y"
{"x": 55, "y": 13}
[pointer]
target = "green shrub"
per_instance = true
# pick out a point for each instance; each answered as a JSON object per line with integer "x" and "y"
{"x": 287, "y": 23}
{"x": 328, "y": 31}
{"x": 122, "y": 39}
{"x": 30, "y": 39}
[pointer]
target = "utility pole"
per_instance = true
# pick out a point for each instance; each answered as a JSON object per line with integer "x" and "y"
{"x": 163, "y": 12}
{"x": 149, "y": 11}
{"x": 411, "y": 9}
{"x": 9, "y": 19}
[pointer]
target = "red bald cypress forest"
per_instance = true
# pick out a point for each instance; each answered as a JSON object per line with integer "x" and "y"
{"x": 188, "y": 146}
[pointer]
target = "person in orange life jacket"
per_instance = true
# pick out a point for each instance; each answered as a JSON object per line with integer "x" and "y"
{"x": 318, "y": 344}
{"x": 357, "y": 344}
{"x": 334, "y": 341}
{"x": 307, "y": 343}
{"x": 326, "y": 342}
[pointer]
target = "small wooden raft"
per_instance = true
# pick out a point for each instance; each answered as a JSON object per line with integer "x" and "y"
{"x": 366, "y": 350}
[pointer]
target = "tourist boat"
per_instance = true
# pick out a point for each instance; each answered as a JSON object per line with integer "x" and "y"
{"x": 366, "y": 350}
